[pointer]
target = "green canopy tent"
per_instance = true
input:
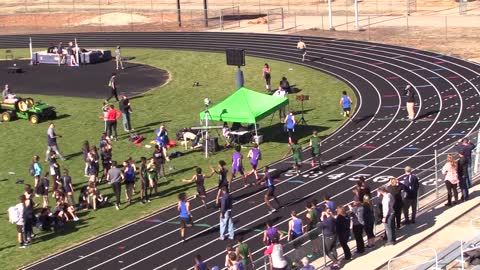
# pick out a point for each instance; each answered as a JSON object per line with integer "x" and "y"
{"x": 245, "y": 106}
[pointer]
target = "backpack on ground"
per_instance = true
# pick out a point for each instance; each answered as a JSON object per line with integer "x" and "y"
{"x": 13, "y": 215}
{"x": 31, "y": 170}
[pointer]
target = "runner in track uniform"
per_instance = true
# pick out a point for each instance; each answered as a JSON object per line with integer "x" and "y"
{"x": 346, "y": 103}
{"x": 244, "y": 254}
{"x": 199, "y": 264}
{"x": 183, "y": 207}
{"x": 237, "y": 164}
{"x": 255, "y": 155}
{"x": 199, "y": 180}
{"x": 270, "y": 185}
{"x": 290, "y": 125}
{"x": 316, "y": 143}
{"x": 296, "y": 150}
{"x": 222, "y": 179}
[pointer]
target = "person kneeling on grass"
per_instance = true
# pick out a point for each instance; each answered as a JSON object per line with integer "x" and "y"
{"x": 93, "y": 195}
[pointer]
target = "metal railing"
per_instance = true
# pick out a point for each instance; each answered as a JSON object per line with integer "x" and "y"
{"x": 462, "y": 250}
{"x": 435, "y": 259}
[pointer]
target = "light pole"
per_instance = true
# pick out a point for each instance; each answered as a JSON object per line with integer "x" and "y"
{"x": 330, "y": 19}
{"x": 179, "y": 16}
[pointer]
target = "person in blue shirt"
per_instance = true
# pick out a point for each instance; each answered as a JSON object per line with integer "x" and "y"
{"x": 199, "y": 264}
{"x": 346, "y": 103}
{"x": 295, "y": 227}
{"x": 183, "y": 208}
{"x": 290, "y": 125}
{"x": 38, "y": 171}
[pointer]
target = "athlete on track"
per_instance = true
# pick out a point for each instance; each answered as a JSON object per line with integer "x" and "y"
{"x": 199, "y": 180}
{"x": 346, "y": 103}
{"x": 237, "y": 164}
{"x": 296, "y": 150}
{"x": 316, "y": 143}
{"x": 254, "y": 155}
{"x": 183, "y": 207}
{"x": 222, "y": 179}
{"x": 270, "y": 194}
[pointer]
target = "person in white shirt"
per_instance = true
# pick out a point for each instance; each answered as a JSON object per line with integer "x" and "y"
{"x": 281, "y": 92}
{"x": 388, "y": 215}
{"x": 20, "y": 221}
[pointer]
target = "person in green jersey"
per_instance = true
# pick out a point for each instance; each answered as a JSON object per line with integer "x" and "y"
{"x": 315, "y": 144}
{"x": 243, "y": 252}
{"x": 296, "y": 151}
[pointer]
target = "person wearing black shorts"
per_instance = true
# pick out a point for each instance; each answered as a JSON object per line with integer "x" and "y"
{"x": 143, "y": 173}
{"x": 199, "y": 180}
{"x": 222, "y": 179}
{"x": 185, "y": 216}
{"x": 270, "y": 185}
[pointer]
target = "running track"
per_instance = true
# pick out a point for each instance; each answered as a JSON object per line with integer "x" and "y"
{"x": 377, "y": 143}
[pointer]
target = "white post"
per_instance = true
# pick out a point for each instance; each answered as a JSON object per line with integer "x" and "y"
{"x": 206, "y": 133}
{"x": 436, "y": 173}
{"x": 76, "y": 52}
{"x": 330, "y": 19}
{"x": 357, "y": 26}
{"x": 31, "y": 52}
{"x": 475, "y": 170}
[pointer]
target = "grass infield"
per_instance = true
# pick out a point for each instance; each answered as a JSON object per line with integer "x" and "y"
{"x": 176, "y": 104}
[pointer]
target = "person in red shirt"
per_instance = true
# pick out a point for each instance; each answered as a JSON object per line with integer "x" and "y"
{"x": 112, "y": 117}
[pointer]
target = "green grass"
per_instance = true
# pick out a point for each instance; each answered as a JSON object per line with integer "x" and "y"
{"x": 176, "y": 104}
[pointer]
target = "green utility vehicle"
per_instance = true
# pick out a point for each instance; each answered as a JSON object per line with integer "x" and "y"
{"x": 26, "y": 108}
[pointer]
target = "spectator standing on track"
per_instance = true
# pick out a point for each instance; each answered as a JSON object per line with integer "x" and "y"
{"x": 369, "y": 219}
{"x": 410, "y": 93}
{"x": 237, "y": 164}
{"x": 295, "y": 227}
{"x": 115, "y": 178}
{"x": 226, "y": 220}
{"x": 315, "y": 144}
{"x": 199, "y": 264}
{"x": 222, "y": 180}
{"x": 52, "y": 142}
{"x": 451, "y": 179}
{"x": 112, "y": 84}
{"x": 357, "y": 214}
{"x": 118, "y": 57}
{"x": 244, "y": 253}
{"x": 126, "y": 109}
{"x": 199, "y": 179}
{"x": 303, "y": 48}
{"x": 112, "y": 117}
{"x": 143, "y": 173}
{"x": 346, "y": 103}
{"x": 266, "y": 74}
{"x": 254, "y": 155}
{"x": 395, "y": 188}
{"x": 296, "y": 150}
{"x": 267, "y": 179}
{"x": 185, "y": 216}
{"x": 270, "y": 233}
{"x": 343, "y": 231}
{"x": 328, "y": 226}
{"x": 290, "y": 125}
{"x": 281, "y": 92}
{"x": 466, "y": 147}
{"x": 388, "y": 219}
{"x": 411, "y": 185}
{"x": 462, "y": 167}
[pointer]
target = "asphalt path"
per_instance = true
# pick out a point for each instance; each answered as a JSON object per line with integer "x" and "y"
{"x": 377, "y": 143}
